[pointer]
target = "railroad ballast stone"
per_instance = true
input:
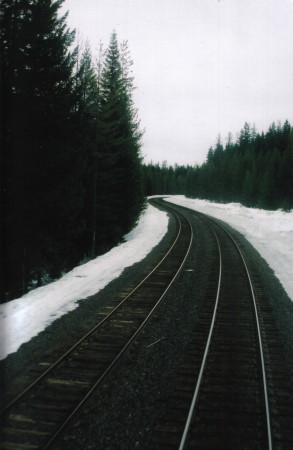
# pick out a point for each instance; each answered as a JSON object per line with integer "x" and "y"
{"x": 141, "y": 386}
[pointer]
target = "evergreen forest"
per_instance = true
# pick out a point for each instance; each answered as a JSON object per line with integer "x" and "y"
{"x": 255, "y": 170}
{"x": 71, "y": 183}
{"x": 72, "y": 178}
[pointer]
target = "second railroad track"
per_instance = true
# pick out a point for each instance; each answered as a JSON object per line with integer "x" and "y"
{"x": 41, "y": 412}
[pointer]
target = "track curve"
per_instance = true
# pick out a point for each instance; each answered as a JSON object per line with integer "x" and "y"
{"x": 144, "y": 401}
{"x": 223, "y": 377}
{"x": 37, "y": 416}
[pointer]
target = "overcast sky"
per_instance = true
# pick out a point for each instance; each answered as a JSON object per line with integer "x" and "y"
{"x": 201, "y": 67}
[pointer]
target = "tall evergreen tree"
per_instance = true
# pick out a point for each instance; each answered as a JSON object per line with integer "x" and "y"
{"x": 88, "y": 109}
{"x": 120, "y": 197}
{"x": 133, "y": 199}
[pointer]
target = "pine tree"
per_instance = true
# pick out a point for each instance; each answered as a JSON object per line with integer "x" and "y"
{"x": 133, "y": 199}
{"x": 88, "y": 79}
{"x": 245, "y": 137}
{"x": 119, "y": 199}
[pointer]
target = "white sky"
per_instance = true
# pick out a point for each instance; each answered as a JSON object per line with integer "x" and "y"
{"x": 201, "y": 67}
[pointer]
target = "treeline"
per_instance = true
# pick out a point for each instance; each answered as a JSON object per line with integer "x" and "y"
{"x": 70, "y": 139}
{"x": 256, "y": 170}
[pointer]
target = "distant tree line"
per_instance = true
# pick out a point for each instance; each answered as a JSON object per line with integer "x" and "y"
{"x": 256, "y": 170}
{"x": 70, "y": 146}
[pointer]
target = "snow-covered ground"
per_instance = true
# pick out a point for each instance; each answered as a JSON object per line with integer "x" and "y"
{"x": 270, "y": 232}
{"x": 25, "y": 317}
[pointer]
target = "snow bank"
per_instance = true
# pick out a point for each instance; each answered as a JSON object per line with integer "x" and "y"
{"x": 270, "y": 232}
{"x": 24, "y": 318}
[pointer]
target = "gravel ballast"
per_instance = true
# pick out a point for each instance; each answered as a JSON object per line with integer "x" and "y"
{"x": 124, "y": 412}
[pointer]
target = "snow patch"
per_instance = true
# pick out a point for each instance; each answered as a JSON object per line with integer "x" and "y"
{"x": 25, "y": 317}
{"x": 270, "y": 232}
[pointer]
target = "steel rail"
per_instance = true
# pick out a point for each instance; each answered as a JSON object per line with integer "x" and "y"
{"x": 264, "y": 378}
{"x": 89, "y": 333}
{"x": 265, "y": 389}
{"x": 199, "y": 380}
{"x": 122, "y": 351}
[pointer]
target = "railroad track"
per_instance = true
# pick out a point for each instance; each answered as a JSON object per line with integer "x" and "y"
{"x": 220, "y": 399}
{"x": 36, "y": 418}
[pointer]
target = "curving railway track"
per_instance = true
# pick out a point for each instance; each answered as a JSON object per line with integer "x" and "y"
{"x": 225, "y": 391}
{"x": 220, "y": 399}
{"x": 39, "y": 414}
